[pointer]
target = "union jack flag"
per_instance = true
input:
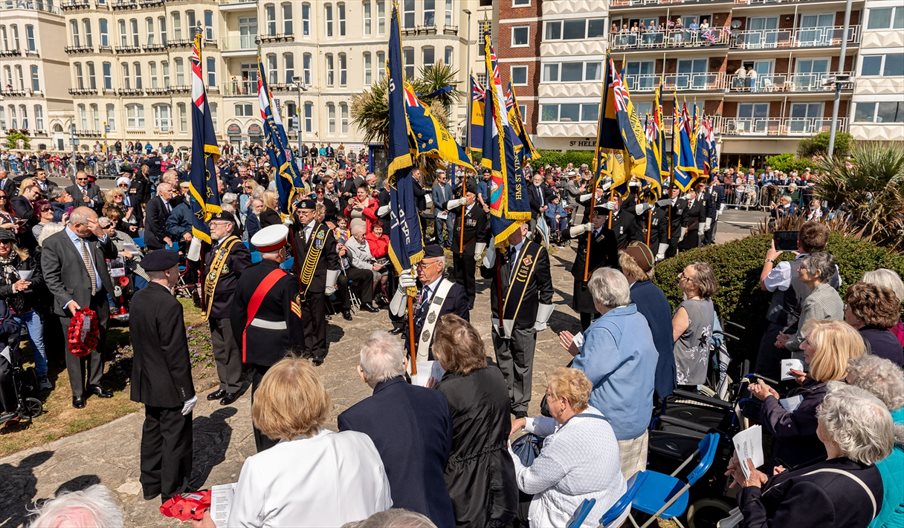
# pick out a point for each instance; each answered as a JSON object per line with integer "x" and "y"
{"x": 477, "y": 91}
{"x": 618, "y": 90}
{"x": 509, "y": 100}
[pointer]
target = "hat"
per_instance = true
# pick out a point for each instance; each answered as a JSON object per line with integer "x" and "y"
{"x": 222, "y": 215}
{"x": 123, "y": 180}
{"x": 472, "y": 187}
{"x": 307, "y": 203}
{"x": 270, "y": 238}
{"x": 434, "y": 251}
{"x": 160, "y": 260}
{"x": 6, "y": 234}
{"x": 641, "y": 255}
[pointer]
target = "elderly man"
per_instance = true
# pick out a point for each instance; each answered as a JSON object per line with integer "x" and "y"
{"x": 158, "y": 211}
{"x": 619, "y": 357}
{"x": 364, "y": 267}
{"x": 410, "y": 427}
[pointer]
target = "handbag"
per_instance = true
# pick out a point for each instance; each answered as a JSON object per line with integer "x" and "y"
{"x": 527, "y": 448}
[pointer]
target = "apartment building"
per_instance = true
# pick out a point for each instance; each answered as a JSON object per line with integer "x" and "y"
{"x": 34, "y": 71}
{"x": 878, "y": 113}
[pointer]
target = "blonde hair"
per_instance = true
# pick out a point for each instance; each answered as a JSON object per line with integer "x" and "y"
{"x": 271, "y": 200}
{"x": 457, "y": 345}
{"x": 571, "y": 384}
{"x": 630, "y": 268}
{"x": 834, "y": 344}
{"x": 291, "y": 401}
{"x": 113, "y": 193}
{"x": 26, "y": 183}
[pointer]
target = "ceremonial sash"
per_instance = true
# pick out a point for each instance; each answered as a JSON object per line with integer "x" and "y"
{"x": 217, "y": 265}
{"x": 518, "y": 281}
{"x": 436, "y": 306}
{"x": 312, "y": 258}
{"x": 254, "y": 304}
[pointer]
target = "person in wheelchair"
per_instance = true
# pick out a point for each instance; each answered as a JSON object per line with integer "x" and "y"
{"x": 364, "y": 270}
{"x": 10, "y": 384}
{"x": 125, "y": 270}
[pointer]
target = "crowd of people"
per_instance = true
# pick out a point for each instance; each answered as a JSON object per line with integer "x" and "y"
{"x": 268, "y": 284}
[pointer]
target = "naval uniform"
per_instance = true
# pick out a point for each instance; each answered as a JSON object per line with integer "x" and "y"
{"x": 442, "y": 296}
{"x": 273, "y": 330}
{"x": 675, "y": 213}
{"x": 161, "y": 380}
{"x": 315, "y": 255}
{"x": 463, "y": 264}
{"x": 222, "y": 267}
{"x": 693, "y": 218}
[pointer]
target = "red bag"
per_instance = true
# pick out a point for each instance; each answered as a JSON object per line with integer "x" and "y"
{"x": 187, "y": 506}
{"x": 84, "y": 332}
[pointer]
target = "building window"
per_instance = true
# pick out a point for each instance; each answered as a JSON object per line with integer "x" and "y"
{"x": 271, "y": 68}
{"x": 12, "y": 116}
{"x": 408, "y": 14}
{"x": 111, "y": 116}
{"x": 518, "y": 75}
{"x": 331, "y": 118}
{"x": 343, "y": 70}
{"x": 95, "y": 117}
{"x": 287, "y": 18}
{"x": 86, "y": 24}
{"x": 133, "y": 26}
{"x": 35, "y": 78}
{"x": 183, "y": 117}
{"x": 449, "y": 55}
{"x": 429, "y": 13}
{"x": 104, "y": 29}
{"x": 520, "y": 3}
{"x": 2, "y": 118}
{"x": 211, "y": 71}
{"x": 343, "y": 118}
{"x": 879, "y": 112}
{"x": 149, "y": 23}
{"x": 123, "y": 34}
{"x": 381, "y": 65}
{"x": 208, "y": 25}
{"x": 164, "y": 65}
{"x": 79, "y": 78}
{"x": 889, "y": 65}
{"x": 306, "y": 19}
{"x": 381, "y": 17}
{"x": 15, "y": 31}
{"x": 575, "y": 29}
{"x": 572, "y": 72}
{"x": 107, "y": 72}
{"x": 134, "y": 116}
{"x": 520, "y": 36}
{"x": 408, "y": 60}
{"x": 429, "y": 56}
{"x": 309, "y": 117}
{"x": 177, "y": 25}
{"x": 82, "y": 117}
{"x": 270, "y": 15}
{"x": 885, "y": 18}
{"x": 20, "y": 78}
{"x": 180, "y": 71}
{"x": 368, "y": 73}
{"x": 73, "y": 30}
{"x": 126, "y": 79}
{"x": 153, "y": 70}
{"x": 289, "y": 67}
{"x": 569, "y": 112}
{"x": 243, "y": 110}
{"x": 161, "y": 24}
{"x": 450, "y": 13}
{"x": 30, "y": 42}
{"x": 367, "y": 17}
{"x": 306, "y": 60}
{"x": 92, "y": 80}
{"x": 328, "y": 16}
{"x": 136, "y": 70}
{"x": 213, "y": 113}
{"x": 522, "y": 109}
{"x": 340, "y": 14}
{"x": 39, "y": 117}
{"x": 330, "y": 69}
{"x": 483, "y": 30}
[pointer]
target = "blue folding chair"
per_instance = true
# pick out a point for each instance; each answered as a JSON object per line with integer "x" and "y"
{"x": 614, "y": 512}
{"x": 139, "y": 241}
{"x": 666, "y": 496}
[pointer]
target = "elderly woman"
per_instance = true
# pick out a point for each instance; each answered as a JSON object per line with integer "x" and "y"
{"x": 828, "y": 348}
{"x": 844, "y": 489}
{"x": 480, "y": 474}
{"x": 364, "y": 270}
{"x": 312, "y": 477}
{"x": 692, "y": 324}
{"x": 620, "y": 368}
{"x": 887, "y": 278}
{"x": 577, "y": 462}
{"x": 873, "y": 311}
{"x": 822, "y": 303}
{"x": 885, "y": 380}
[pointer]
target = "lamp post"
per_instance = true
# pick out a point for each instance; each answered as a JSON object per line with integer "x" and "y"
{"x": 840, "y": 77}
{"x": 300, "y": 87}
{"x": 468, "y": 83}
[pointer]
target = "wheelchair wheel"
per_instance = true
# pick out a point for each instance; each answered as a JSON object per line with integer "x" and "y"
{"x": 32, "y": 407}
{"x": 706, "y": 513}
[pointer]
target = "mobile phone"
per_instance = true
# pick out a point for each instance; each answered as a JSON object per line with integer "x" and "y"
{"x": 785, "y": 240}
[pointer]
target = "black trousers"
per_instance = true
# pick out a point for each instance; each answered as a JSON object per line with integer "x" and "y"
{"x": 362, "y": 283}
{"x": 313, "y": 319}
{"x": 88, "y": 369}
{"x": 464, "y": 268}
{"x": 261, "y": 441}
{"x": 227, "y": 354}
{"x": 515, "y": 357}
{"x": 166, "y": 449}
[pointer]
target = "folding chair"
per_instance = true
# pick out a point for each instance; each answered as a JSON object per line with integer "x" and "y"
{"x": 139, "y": 241}
{"x": 614, "y": 512}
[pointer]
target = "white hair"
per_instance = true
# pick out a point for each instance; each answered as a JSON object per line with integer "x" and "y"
{"x": 886, "y": 278}
{"x": 883, "y": 379}
{"x": 93, "y": 507}
{"x": 382, "y": 357}
{"x": 393, "y": 518}
{"x": 609, "y": 288}
{"x": 48, "y": 230}
{"x": 858, "y": 422}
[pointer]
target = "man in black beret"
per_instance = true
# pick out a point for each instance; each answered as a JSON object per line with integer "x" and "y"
{"x": 161, "y": 379}
{"x": 469, "y": 236}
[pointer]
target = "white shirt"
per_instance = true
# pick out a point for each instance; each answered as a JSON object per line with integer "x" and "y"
{"x": 328, "y": 479}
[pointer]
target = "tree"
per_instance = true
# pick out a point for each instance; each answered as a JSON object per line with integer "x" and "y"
{"x": 13, "y": 136}
{"x": 869, "y": 189}
{"x": 818, "y": 145}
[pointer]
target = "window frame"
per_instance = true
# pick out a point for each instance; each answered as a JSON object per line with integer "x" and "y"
{"x": 519, "y": 67}
{"x": 526, "y": 39}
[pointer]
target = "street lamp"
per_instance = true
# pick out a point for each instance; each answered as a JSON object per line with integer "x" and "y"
{"x": 840, "y": 77}
{"x": 839, "y": 81}
{"x": 300, "y": 87}
{"x": 468, "y": 83}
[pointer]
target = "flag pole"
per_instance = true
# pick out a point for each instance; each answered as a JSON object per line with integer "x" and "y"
{"x": 596, "y": 159}
{"x": 649, "y": 224}
{"x": 412, "y": 342}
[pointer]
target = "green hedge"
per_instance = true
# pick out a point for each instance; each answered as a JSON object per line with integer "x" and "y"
{"x": 737, "y": 267}
{"x": 564, "y": 157}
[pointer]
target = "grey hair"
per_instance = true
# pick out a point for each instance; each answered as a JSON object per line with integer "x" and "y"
{"x": 358, "y": 227}
{"x": 382, "y": 357}
{"x": 609, "y": 288}
{"x": 858, "y": 422}
{"x": 394, "y": 518}
{"x": 886, "y": 278}
{"x": 80, "y": 216}
{"x": 820, "y": 265}
{"x": 92, "y": 507}
{"x": 883, "y": 379}
{"x": 48, "y": 230}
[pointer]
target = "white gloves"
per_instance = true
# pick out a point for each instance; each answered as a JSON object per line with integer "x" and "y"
{"x": 584, "y": 197}
{"x": 579, "y": 230}
{"x": 683, "y": 232}
{"x": 709, "y": 223}
{"x": 331, "y": 277}
{"x": 640, "y": 208}
{"x": 407, "y": 280}
{"x": 489, "y": 258}
{"x": 543, "y": 313}
{"x": 189, "y": 405}
{"x": 610, "y": 205}
{"x": 665, "y": 202}
{"x": 383, "y": 210}
{"x": 478, "y": 250}
{"x": 454, "y": 203}
{"x": 701, "y": 228}
{"x": 660, "y": 251}
{"x": 605, "y": 184}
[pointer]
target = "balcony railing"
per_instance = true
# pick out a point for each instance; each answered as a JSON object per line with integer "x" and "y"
{"x": 180, "y": 89}
{"x": 82, "y": 91}
{"x": 239, "y": 89}
{"x": 72, "y": 5}
{"x": 450, "y": 30}
{"x": 159, "y": 46}
{"x": 778, "y": 126}
{"x": 242, "y": 43}
{"x": 669, "y": 38}
{"x": 816, "y": 37}
{"x": 278, "y": 38}
{"x": 128, "y": 48}
{"x": 130, "y": 91}
{"x": 9, "y": 53}
{"x": 125, "y": 4}
{"x": 88, "y": 133}
{"x": 782, "y": 82}
{"x": 706, "y": 81}
{"x": 243, "y": 3}
{"x": 78, "y": 49}
{"x": 9, "y": 91}
{"x": 48, "y": 6}
{"x": 150, "y": 3}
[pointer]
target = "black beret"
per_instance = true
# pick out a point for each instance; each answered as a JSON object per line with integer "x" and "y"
{"x": 472, "y": 187}
{"x": 433, "y": 250}
{"x": 160, "y": 260}
{"x": 223, "y": 215}
{"x": 307, "y": 203}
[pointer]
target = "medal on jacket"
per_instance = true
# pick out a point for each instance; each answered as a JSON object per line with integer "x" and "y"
{"x": 218, "y": 266}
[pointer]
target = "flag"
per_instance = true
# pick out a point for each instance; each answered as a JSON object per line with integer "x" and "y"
{"x": 430, "y": 136}
{"x": 509, "y": 205}
{"x": 682, "y": 153}
{"x": 517, "y": 120}
{"x": 654, "y": 157}
{"x": 406, "y": 246}
{"x": 619, "y": 126}
{"x": 278, "y": 149}
{"x": 204, "y": 153}
{"x": 659, "y": 123}
{"x": 478, "y": 100}
{"x": 701, "y": 154}
{"x": 710, "y": 135}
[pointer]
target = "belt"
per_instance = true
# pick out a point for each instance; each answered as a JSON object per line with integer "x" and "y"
{"x": 268, "y": 325}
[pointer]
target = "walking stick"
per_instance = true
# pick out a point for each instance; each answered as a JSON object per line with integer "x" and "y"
{"x": 590, "y": 233}
{"x": 649, "y": 225}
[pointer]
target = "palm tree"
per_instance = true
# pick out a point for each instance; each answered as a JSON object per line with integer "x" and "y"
{"x": 869, "y": 188}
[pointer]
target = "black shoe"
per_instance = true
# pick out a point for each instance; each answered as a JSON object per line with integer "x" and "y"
{"x": 347, "y": 315}
{"x": 216, "y": 395}
{"x": 99, "y": 391}
{"x": 230, "y": 398}
{"x": 397, "y": 330}
{"x": 150, "y": 495}
{"x": 369, "y": 308}
{"x": 317, "y": 361}
{"x": 78, "y": 402}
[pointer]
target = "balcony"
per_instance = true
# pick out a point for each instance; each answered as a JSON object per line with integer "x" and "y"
{"x": 47, "y": 6}
{"x": 657, "y": 3}
{"x": 180, "y": 89}
{"x": 277, "y": 38}
{"x": 88, "y": 133}
{"x": 243, "y": 46}
{"x": 779, "y": 126}
{"x": 75, "y": 5}
{"x": 783, "y": 83}
{"x": 150, "y": 3}
{"x": 817, "y": 37}
{"x": 669, "y": 38}
{"x": 128, "y": 48}
{"x": 154, "y": 48}
{"x": 156, "y": 91}
{"x": 9, "y": 53}
{"x": 450, "y": 30}
{"x": 9, "y": 91}
{"x": 238, "y": 5}
{"x": 237, "y": 88}
{"x": 696, "y": 82}
{"x": 124, "y": 4}
{"x": 82, "y": 91}
{"x": 78, "y": 49}
{"x": 127, "y": 92}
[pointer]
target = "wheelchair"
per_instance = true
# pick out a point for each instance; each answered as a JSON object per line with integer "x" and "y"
{"x": 16, "y": 385}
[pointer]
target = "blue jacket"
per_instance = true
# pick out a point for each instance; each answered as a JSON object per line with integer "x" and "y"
{"x": 652, "y": 304}
{"x": 179, "y": 221}
{"x": 619, "y": 358}
{"x": 412, "y": 430}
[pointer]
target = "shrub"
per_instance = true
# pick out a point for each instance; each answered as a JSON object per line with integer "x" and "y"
{"x": 563, "y": 158}
{"x": 788, "y": 162}
{"x": 737, "y": 266}
{"x": 818, "y": 145}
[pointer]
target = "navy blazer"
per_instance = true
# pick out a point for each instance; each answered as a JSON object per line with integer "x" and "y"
{"x": 412, "y": 430}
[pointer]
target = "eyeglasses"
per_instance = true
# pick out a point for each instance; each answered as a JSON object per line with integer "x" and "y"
{"x": 81, "y": 179}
